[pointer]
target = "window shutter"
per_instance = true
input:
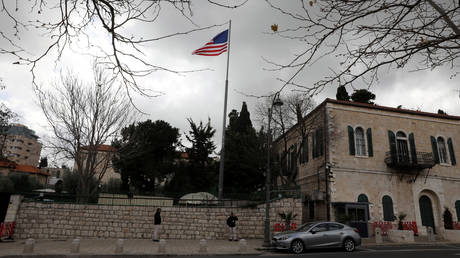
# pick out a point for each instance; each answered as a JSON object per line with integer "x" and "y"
{"x": 370, "y": 150}
{"x": 434, "y": 146}
{"x": 413, "y": 151}
{"x": 392, "y": 141}
{"x": 306, "y": 148}
{"x": 320, "y": 142}
{"x": 388, "y": 211}
{"x": 351, "y": 140}
{"x": 313, "y": 146}
{"x": 451, "y": 151}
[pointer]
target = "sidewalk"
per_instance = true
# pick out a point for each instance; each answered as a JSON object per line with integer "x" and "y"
{"x": 419, "y": 241}
{"x": 136, "y": 247}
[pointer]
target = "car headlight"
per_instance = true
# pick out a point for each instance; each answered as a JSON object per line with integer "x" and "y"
{"x": 283, "y": 238}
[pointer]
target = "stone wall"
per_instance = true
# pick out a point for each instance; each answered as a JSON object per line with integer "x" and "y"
{"x": 65, "y": 221}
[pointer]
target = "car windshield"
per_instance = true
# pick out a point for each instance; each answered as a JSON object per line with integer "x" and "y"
{"x": 305, "y": 226}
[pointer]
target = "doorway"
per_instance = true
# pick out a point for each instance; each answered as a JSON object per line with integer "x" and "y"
{"x": 4, "y": 202}
{"x": 426, "y": 212}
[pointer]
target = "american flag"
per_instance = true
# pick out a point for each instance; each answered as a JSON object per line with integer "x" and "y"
{"x": 215, "y": 47}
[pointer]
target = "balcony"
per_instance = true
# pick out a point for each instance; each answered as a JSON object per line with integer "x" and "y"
{"x": 405, "y": 161}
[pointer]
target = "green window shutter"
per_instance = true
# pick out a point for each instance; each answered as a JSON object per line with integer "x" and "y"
{"x": 434, "y": 146}
{"x": 451, "y": 151}
{"x": 370, "y": 150}
{"x": 392, "y": 142}
{"x": 413, "y": 151}
{"x": 304, "y": 154}
{"x": 315, "y": 145}
{"x": 321, "y": 142}
{"x": 306, "y": 148}
{"x": 388, "y": 211}
{"x": 351, "y": 140}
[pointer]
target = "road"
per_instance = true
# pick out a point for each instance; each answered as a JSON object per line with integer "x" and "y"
{"x": 440, "y": 251}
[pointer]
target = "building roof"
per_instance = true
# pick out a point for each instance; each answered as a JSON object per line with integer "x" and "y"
{"x": 390, "y": 109}
{"x": 19, "y": 129}
{"x": 22, "y": 168}
{"x": 371, "y": 106}
{"x": 101, "y": 147}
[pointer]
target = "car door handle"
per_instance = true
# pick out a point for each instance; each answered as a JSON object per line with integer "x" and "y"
{"x": 341, "y": 233}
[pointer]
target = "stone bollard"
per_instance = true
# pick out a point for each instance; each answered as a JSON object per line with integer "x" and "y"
{"x": 203, "y": 246}
{"x": 29, "y": 246}
{"x": 162, "y": 247}
{"x": 75, "y": 248}
{"x": 243, "y": 245}
{"x": 378, "y": 236}
{"x": 119, "y": 246}
{"x": 430, "y": 234}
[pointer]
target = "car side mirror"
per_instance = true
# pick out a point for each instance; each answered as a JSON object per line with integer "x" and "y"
{"x": 314, "y": 231}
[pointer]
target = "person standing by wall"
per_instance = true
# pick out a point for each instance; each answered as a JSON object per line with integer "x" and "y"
{"x": 231, "y": 223}
{"x": 156, "y": 225}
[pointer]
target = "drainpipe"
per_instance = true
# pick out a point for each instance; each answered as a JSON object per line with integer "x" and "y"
{"x": 327, "y": 167}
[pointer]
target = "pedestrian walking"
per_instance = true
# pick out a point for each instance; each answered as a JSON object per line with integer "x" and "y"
{"x": 156, "y": 225}
{"x": 231, "y": 223}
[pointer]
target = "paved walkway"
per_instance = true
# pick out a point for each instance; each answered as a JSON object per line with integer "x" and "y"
{"x": 132, "y": 247}
{"x": 143, "y": 247}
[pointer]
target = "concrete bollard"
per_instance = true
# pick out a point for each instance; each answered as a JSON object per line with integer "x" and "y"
{"x": 162, "y": 247}
{"x": 378, "y": 236}
{"x": 430, "y": 234}
{"x": 243, "y": 245}
{"x": 203, "y": 246}
{"x": 29, "y": 246}
{"x": 75, "y": 248}
{"x": 119, "y": 246}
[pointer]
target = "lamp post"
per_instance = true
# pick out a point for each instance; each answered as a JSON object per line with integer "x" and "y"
{"x": 275, "y": 102}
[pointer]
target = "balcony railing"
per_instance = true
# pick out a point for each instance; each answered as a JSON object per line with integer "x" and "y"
{"x": 424, "y": 160}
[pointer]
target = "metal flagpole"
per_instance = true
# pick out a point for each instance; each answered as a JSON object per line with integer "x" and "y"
{"x": 224, "y": 124}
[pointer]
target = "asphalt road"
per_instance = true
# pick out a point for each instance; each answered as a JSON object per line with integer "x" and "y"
{"x": 441, "y": 251}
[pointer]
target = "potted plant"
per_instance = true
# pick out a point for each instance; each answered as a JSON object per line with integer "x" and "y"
{"x": 287, "y": 218}
{"x": 401, "y": 217}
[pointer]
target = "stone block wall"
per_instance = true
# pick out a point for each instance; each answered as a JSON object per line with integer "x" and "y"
{"x": 66, "y": 221}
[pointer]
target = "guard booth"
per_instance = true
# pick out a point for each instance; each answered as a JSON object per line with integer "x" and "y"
{"x": 354, "y": 214}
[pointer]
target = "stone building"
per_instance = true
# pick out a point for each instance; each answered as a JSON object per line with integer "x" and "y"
{"x": 103, "y": 162}
{"x": 368, "y": 163}
{"x": 22, "y": 146}
{"x": 9, "y": 168}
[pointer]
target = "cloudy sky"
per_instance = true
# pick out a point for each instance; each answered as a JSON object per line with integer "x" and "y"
{"x": 200, "y": 95}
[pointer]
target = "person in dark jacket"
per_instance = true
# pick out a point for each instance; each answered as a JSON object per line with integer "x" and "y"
{"x": 231, "y": 223}
{"x": 156, "y": 225}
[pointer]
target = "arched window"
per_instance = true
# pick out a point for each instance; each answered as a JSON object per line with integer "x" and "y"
{"x": 442, "y": 150}
{"x": 401, "y": 147}
{"x": 388, "y": 213}
{"x": 457, "y": 209}
{"x": 360, "y": 142}
{"x": 363, "y": 198}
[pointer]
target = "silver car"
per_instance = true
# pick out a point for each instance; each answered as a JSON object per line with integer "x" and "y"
{"x": 318, "y": 235}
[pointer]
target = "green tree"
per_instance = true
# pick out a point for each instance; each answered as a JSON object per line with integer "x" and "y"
{"x": 43, "y": 162}
{"x": 363, "y": 96}
{"x": 244, "y": 160}
{"x": 146, "y": 152}
{"x": 342, "y": 94}
{"x": 199, "y": 174}
{"x": 6, "y": 185}
{"x": 6, "y": 115}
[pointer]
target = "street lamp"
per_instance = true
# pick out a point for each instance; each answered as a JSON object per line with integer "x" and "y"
{"x": 276, "y": 101}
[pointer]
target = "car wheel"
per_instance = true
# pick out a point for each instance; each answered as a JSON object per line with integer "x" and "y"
{"x": 349, "y": 245}
{"x": 297, "y": 246}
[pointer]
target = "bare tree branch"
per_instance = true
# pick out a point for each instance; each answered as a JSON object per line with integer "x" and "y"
{"x": 365, "y": 36}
